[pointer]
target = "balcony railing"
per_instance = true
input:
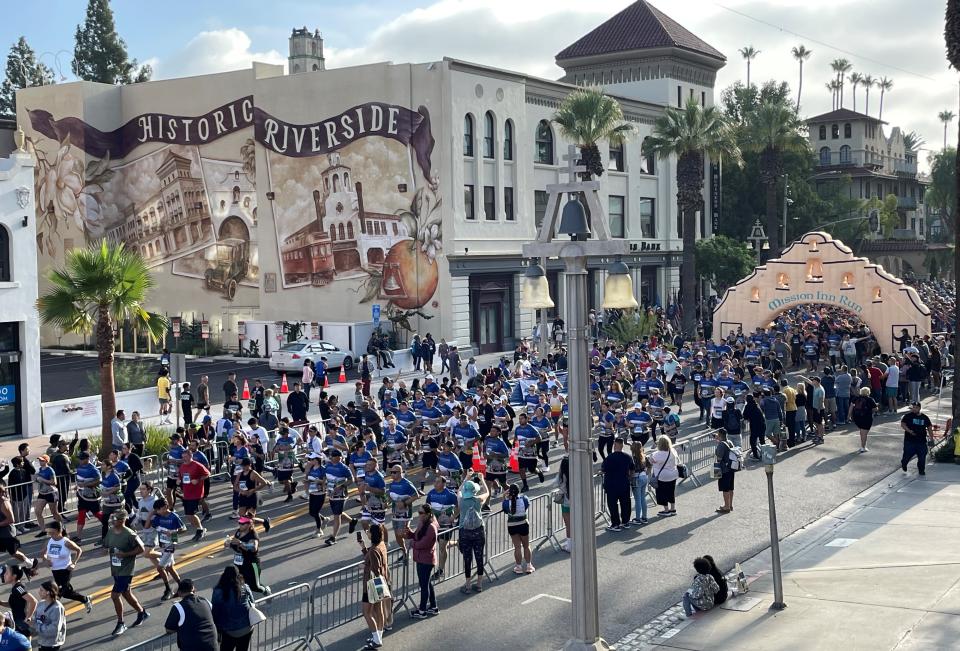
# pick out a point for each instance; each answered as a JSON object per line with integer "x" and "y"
{"x": 852, "y": 158}
{"x": 907, "y": 203}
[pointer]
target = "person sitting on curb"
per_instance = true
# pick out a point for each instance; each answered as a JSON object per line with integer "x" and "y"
{"x": 702, "y": 593}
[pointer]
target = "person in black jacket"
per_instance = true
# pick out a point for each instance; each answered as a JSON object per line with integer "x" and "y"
{"x": 192, "y": 620}
{"x": 757, "y": 423}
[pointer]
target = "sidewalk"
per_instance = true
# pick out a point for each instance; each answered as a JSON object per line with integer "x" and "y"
{"x": 881, "y": 571}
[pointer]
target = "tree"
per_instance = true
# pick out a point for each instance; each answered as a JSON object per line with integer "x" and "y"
{"x": 99, "y": 54}
{"x": 942, "y": 193}
{"x": 801, "y": 54}
{"x": 887, "y": 209}
{"x": 749, "y": 53}
{"x": 856, "y": 79}
{"x": 723, "y": 261}
{"x": 840, "y": 68}
{"x": 834, "y": 87}
{"x": 23, "y": 71}
{"x": 946, "y": 117}
{"x": 952, "y": 37}
{"x": 913, "y": 141}
{"x": 884, "y": 85}
{"x": 587, "y": 116}
{"x": 96, "y": 289}
{"x": 632, "y": 325}
{"x": 867, "y": 82}
{"x": 737, "y": 100}
{"x": 690, "y": 134}
{"x": 771, "y": 130}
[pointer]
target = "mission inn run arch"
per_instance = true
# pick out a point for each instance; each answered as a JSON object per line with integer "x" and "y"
{"x": 820, "y": 269}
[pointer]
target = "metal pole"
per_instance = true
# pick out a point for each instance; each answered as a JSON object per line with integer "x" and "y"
{"x": 583, "y": 574}
{"x": 544, "y": 337}
{"x": 786, "y": 187}
{"x": 774, "y": 545}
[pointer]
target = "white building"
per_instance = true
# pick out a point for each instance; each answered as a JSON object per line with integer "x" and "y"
{"x": 19, "y": 323}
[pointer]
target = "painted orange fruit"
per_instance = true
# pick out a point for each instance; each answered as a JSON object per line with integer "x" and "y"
{"x": 409, "y": 277}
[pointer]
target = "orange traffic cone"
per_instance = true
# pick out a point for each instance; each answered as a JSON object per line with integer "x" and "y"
{"x": 343, "y": 375}
{"x": 326, "y": 381}
{"x": 514, "y": 460}
{"x": 283, "y": 385}
{"x": 479, "y": 462}
{"x": 246, "y": 391}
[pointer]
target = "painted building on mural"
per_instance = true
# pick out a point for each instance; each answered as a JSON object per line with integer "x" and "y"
{"x": 411, "y": 186}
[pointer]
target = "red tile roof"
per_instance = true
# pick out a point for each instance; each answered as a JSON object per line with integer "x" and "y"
{"x": 640, "y": 26}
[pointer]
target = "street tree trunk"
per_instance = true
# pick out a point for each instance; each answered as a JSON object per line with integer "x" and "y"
{"x": 956, "y": 280}
{"x": 688, "y": 276}
{"x": 773, "y": 220}
{"x": 108, "y": 395}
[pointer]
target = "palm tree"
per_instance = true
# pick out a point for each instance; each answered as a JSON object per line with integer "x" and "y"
{"x": 771, "y": 130}
{"x": 952, "y": 36}
{"x": 840, "y": 67}
{"x": 913, "y": 141}
{"x": 867, "y": 81}
{"x": 884, "y": 85}
{"x": 946, "y": 117}
{"x": 586, "y": 116}
{"x": 98, "y": 288}
{"x": 834, "y": 87}
{"x": 690, "y": 134}
{"x": 801, "y": 54}
{"x": 749, "y": 53}
{"x": 856, "y": 79}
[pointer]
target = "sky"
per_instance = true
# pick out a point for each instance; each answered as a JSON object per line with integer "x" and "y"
{"x": 894, "y": 38}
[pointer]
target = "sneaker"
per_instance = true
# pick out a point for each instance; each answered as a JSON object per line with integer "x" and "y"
{"x": 540, "y": 475}
{"x": 546, "y": 467}
{"x": 33, "y": 567}
{"x": 267, "y": 590}
{"x": 289, "y": 498}
{"x": 319, "y": 534}
{"x": 234, "y": 515}
{"x": 530, "y": 568}
{"x": 517, "y": 569}
{"x": 625, "y": 525}
{"x": 142, "y": 616}
{"x": 266, "y": 525}
{"x": 330, "y": 541}
{"x": 119, "y": 629}
{"x": 663, "y": 513}
{"x": 353, "y": 525}
{"x": 166, "y": 596}
{"x": 206, "y": 516}
{"x": 862, "y": 450}
{"x": 643, "y": 520}
{"x": 923, "y": 473}
{"x": 433, "y": 611}
{"x": 613, "y": 528}
{"x": 670, "y": 513}
{"x": 437, "y": 576}
{"x": 904, "y": 469}
{"x": 637, "y": 521}
{"x": 198, "y": 535}
{"x": 88, "y": 605}
{"x": 42, "y": 534}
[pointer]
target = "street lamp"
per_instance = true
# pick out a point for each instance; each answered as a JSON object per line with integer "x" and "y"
{"x": 535, "y": 290}
{"x": 768, "y": 455}
{"x": 618, "y": 293}
{"x": 758, "y": 237}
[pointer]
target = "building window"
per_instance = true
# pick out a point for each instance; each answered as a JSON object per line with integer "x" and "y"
{"x": 468, "y": 135}
{"x": 834, "y": 131}
{"x": 615, "y": 164}
{"x": 340, "y": 234}
{"x": 4, "y": 255}
{"x": 679, "y": 96}
{"x": 544, "y": 143}
{"x": 539, "y": 207}
{"x": 703, "y": 98}
{"x": 468, "y": 202}
{"x": 508, "y": 140}
{"x": 647, "y": 161}
{"x": 823, "y": 132}
{"x": 617, "y": 226}
{"x": 847, "y": 130}
{"x": 350, "y": 231}
{"x": 508, "y": 204}
{"x": 488, "y": 135}
{"x": 333, "y": 232}
{"x": 489, "y": 203}
{"x": 824, "y": 155}
{"x": 648, "y": 218}
{"x": 845, "y": 154}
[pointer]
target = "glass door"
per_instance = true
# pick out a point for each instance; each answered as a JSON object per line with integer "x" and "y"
{"x": 488, "y": 323}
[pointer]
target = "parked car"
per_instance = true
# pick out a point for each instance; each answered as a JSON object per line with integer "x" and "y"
{"x": 289, "y": 358}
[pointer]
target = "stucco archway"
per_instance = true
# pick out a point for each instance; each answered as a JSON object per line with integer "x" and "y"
{"x": 819, "y": 269}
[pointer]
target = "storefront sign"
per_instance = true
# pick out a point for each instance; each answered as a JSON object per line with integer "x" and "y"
{"x": 816, "y": 297}
{"x": 330, "y": 134}
{"x": 8, "y": 394}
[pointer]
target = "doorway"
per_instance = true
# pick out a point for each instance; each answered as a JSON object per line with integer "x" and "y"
{"x": 489, "y": 331}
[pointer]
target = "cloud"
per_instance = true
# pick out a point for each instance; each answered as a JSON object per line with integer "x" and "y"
{"x": 214, "y": 51}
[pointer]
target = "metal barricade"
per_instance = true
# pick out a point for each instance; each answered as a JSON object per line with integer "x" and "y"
{"x": 166, "y": 642}
{"x": 599, "y": 499}
{"x": 289, "y": 619}
{"x": 541, "y": 521}
{"x": 698, "y": 453}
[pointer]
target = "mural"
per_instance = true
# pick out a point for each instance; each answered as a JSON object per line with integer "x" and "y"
{"x": 352, "y": 196}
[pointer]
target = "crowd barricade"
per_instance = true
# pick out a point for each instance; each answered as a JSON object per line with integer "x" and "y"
{"x": 599, "y": 498}
{"x": 698, "y": 454}
{"x": 151, "y": 467}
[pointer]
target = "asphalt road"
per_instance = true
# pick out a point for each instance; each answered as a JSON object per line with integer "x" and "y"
{"x": 641, "y": 571}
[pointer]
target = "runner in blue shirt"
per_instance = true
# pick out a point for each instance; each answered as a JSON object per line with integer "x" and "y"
{"x": 527, "y": 437}
{"x": 444, "y": 504}
{"x": 168, "y": 527}
{"x": 174, "y": 459}
{"x": 707, "y": 388}
{"x": 339, "y": 478}
{"x": 466, "y": 436}
{"x": 402, "y": 494}
{"x": 315, "y": 489}
{"x": 374, "y": 507}
{"x": 394, "y": 444}
{"x": 358, "y": 462}
{"x": 544, "y": 427}
{"x": 449, "y": 466}
{"x": 498, "y": 457}
{"x": 430, "y": 387}
{"x": 655, "y": 406}
{"x": 88, "y": 492}
{"x": 406, "y": 418}
{"x": 639, "y": 422}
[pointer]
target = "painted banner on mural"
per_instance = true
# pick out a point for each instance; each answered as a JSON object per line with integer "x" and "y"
{"x": 288, "y": 139}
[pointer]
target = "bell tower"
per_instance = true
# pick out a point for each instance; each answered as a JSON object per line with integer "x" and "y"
{"x": 306, "y": 51}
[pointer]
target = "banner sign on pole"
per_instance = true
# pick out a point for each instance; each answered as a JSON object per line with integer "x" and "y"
{"x": 241, "y": 330}
{"x": 204, "y": 329}
{"x": 175, "y": 326}
{"x": 376, "y": 316}
{"x": 315, "y": 330}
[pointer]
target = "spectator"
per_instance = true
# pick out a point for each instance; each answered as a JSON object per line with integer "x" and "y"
{"x": 118, "y": 430}
{"x": 516, "y": 507}
{"x": 136, "y": 435}
{"x": 191, "y": 619}
{"x": 703, "y": 592}
{"x": 721, "y": 580}
{"x": 732, "y": 422}
{"x": 473, "y": 495}
{"x": 618, "y": 470}
{"x": 639, "y": 482}
{"x": 374, "y": 565}
{"x": 664, "y": 467}
{"x": 722, "y": 455}
{"x": 231, "y": 604}
{"x": 916, "y": 430}
{"x": 757, "y": 424}
{"x": 842, "y": 384}
{"x": 49, "y": 621}
{"x": 861, "y": 413}
{"x": 423, "y": 542}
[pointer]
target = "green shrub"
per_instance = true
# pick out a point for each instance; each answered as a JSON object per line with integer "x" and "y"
{"x": 127, "y": 375}
{"x": 944, "y": 452}
{"x": 158, "y": 439}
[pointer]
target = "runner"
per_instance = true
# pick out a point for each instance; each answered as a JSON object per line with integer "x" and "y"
{"x": 374, "y": 509}
{"x": 246, "y": 483}
{"x": 88, "y": 493}
{"x": 527, "y": 437}
{"x": 193, "y": 480}
{"x": 123, "y": 546}
{"x": 315, "y": 487}
{"x": 444, "y": 504}
{"x": 112, "y": 486}
{"x": 20, "y": 602}
{"x": 47, "y": 493}
{"x": 60, "y": 557}
{"x": 339, "y": 479}
{"x": 449, "y": 466}
{"x": 201, "y": 457}
{"x": 515, "y": 506}
{"x": 174, "y": 459}
{"x": 286, "y": 454}
{"x": 245, "y": 544}
{"x": 168, "y": 527}
{"x": 498, "y": 456}
{"x": 402, "y": 494}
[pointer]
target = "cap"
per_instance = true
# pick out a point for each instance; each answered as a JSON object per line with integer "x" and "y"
{"x": 314, "y": 455}
{"x": 915, "y": 404}
{"x": 43, "y": 457}
{"x": 336, "y": 453}
{"x": 637, "y": 405}
{"x": 729, "y": 401}
{"x": 244, "y": 520}
{"x": 83, "y": 455}
{"x": 429, "y": 377}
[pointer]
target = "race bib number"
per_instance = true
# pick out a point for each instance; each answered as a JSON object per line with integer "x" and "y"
{"x": 242, "y": 485}
{"x": 172, "y": 469}
{"x": 238, "y": 559}
{"x": 186, "y": 478}
{"x": 115, "y": 560}
{"x": 313, "y": 488}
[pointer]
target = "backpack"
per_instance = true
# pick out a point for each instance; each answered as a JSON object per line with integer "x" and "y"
{"x": 471, "y": 519}
{"x": 731, "y": 421}
{"x": 735, "y": 458}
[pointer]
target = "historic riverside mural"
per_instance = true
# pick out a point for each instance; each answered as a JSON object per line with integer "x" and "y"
{"x": 353, "y": 197}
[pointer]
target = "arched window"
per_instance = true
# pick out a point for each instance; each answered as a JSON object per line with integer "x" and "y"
{"x": 488, "y": 135}
{"x": 346, "y": 181}
{"x": 236, "y": 194}
{"x": 823, "y": 132}
{"x": 336, "y": 183}
{"x": 834, "y": 131}
{"x": 544, "y": 141}
{"x": 824, "y": 155}
{"x": 508, "y": 140}
{"x": 847, "y": 130}
{"x": 468, "y": 135}
{"x": 333, "y": 232}
{"x": 845, "y": 154}
{"x": 350, "y": 232}
{"x": 340, "y": 232}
